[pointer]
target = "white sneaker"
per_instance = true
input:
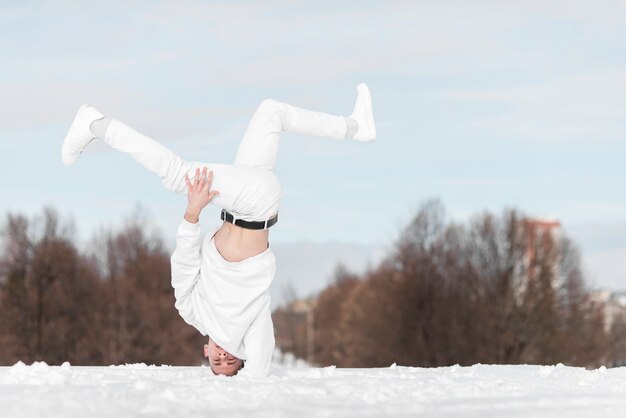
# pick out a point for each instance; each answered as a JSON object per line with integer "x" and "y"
{"x": 363, "y": 114}
{"x": 79, "y": 135}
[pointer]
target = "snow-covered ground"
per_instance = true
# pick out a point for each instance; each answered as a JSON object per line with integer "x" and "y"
{"x": 476, "y": 391}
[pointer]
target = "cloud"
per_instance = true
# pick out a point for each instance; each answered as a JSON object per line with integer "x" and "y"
{"x": 42, "y": 103}
{"x": 477, "y": 182}
{"x": 597, "y": 237}
{"x": 283, "y": 45}
{"x": 608, "y": 209}
{"x": 33, "y": 104}
{"x": 578, "y": 107}
{"x": 201, "y": 47}
{"x": 603, "y": 250}
{"x": 606, "y": 269}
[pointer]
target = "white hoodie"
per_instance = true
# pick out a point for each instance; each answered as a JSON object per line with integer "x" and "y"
{"x": 228, "y": 301}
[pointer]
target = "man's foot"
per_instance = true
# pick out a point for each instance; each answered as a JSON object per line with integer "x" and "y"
{"x": 363, "y": 115}
{"x": 79, "y": 135}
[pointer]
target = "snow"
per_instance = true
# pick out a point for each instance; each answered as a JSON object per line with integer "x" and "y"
{"x": 154, "y": 391}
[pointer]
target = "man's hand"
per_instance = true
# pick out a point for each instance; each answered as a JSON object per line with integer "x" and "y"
{"x": 199, "y": 194}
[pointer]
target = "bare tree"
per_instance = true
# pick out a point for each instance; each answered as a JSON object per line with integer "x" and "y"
{"x": 453, "y": 294}
{"x": 114, "y": 306}
{"x": 46, "y": 289}
{"x": 138, "y": 320}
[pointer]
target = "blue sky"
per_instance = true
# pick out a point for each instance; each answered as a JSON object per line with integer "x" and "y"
{"x": 484, "y": 105}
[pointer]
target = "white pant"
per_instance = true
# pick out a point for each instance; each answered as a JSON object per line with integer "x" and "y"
{"x": 248, "y": 188}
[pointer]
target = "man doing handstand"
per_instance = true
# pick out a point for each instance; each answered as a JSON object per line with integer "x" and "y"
{"x": 221, "y": 283}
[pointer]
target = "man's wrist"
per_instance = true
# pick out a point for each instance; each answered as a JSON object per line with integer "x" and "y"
{"x": 192, "y": 216}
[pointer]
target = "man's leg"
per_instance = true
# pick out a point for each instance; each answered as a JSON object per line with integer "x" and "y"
{"x": 259, "y": 145}
{"x": 157, "y": 158}
{"x": 236, "y": 185}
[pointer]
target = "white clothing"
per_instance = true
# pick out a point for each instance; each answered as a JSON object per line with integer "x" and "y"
{"x": 230, "y": 301}
{"x": 249, "y": 189}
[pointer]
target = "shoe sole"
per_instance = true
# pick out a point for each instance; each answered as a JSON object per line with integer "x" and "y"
{"x": 363, "y": 90}
{"x": 68, "y": 155}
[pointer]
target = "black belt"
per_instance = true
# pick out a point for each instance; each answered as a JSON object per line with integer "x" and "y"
{"x": 230, "y": 218}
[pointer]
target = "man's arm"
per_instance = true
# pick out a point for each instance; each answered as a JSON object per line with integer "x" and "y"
{"x": 186, "y": 260}
{"x": 259, "y": 345}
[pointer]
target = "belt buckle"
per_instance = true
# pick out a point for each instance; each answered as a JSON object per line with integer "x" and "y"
{"x": 265, "y": 226}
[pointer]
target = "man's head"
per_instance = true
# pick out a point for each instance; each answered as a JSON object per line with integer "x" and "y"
{"x": 220, "y": 360}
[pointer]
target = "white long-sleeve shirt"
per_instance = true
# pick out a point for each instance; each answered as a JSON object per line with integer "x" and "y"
{"x": 228, "y": 301}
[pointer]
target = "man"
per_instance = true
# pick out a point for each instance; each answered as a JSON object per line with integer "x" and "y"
{"x": 222, "y": 283}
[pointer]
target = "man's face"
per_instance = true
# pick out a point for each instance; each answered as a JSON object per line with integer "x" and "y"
{"x": 220, "y": 360}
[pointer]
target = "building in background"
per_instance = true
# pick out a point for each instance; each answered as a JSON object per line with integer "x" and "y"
{"x": 294, "y": 328}
{"x": 614, "y": 311}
